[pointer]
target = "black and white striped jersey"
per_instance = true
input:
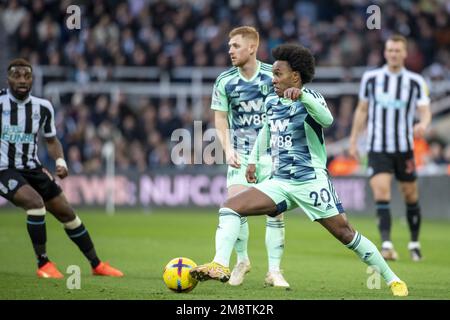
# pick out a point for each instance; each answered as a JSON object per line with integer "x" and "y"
{"x": 20, "y": 123}
{"x": 393, "y": 98}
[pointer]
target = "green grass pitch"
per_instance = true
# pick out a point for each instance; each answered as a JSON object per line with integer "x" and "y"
{"x": 314, "y": 263}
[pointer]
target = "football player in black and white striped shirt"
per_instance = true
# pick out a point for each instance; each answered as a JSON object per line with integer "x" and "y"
{"x": 23, "y": 179}
{"x": 388, "y": 100}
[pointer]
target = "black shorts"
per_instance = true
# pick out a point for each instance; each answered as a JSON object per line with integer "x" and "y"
{"x": 39, "y": 179}
{"x": 401, "y": 164}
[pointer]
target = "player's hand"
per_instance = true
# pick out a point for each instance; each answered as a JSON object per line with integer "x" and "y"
{"x": 419, "y": 130}
{"x": 353, "y": 151}
{"x": 250, "y": 173}
{"x": 233, "y": 159}
{"x": 292, "y": 93}
{"x": 62, "y": 172}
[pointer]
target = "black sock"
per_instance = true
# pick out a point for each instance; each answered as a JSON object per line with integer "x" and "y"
{"x": 414, "y": 218}
{"x": 81, "y": 237}
{"x": 384, "y": 220}
{"x": 38, "y": 234}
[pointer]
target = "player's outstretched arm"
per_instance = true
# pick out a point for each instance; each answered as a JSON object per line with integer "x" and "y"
{"x": 318, "y": 109}
{"x": 55, "y": 151}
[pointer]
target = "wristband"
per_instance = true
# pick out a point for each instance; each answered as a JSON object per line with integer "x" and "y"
{"x": 61, "y": 162}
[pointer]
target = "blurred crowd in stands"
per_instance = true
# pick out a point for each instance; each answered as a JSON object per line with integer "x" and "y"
{"x": 169, "y": 34}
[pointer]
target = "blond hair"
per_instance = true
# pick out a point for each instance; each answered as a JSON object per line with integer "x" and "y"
{"x": 398, "y": 38}
{"x": 245, "y": 32}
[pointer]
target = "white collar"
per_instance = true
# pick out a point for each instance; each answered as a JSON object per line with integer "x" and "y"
{"x": 386, "y": 69}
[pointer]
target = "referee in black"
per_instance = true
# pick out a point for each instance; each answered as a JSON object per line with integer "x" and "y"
{"x": 388, "y": 99}
{"x": 23, "y": 179}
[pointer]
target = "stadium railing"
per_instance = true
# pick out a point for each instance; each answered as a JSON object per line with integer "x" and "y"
{"x": 193, "y": 83}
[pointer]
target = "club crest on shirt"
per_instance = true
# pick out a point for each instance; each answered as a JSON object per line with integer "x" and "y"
{"x": 36, "y": 116}
{"x": 264, "y": 88}
{"x": 292, "y": 110}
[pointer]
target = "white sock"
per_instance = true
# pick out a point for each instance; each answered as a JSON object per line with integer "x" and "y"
{"x": 413, "y": 245}
{"x": 387, "y": 245}
{"x": 369, "y": 254}
{"x": 226, "y": 235}
{"x": 275, "y": 241}
{"x": 242, "y": 241}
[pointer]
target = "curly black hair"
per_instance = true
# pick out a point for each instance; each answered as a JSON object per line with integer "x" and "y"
{"x": 299, "y": 58}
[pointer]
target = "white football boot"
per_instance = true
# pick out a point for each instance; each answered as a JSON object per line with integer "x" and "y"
{"x": 276, "y": 279}
{"x": 239, "y": 272}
